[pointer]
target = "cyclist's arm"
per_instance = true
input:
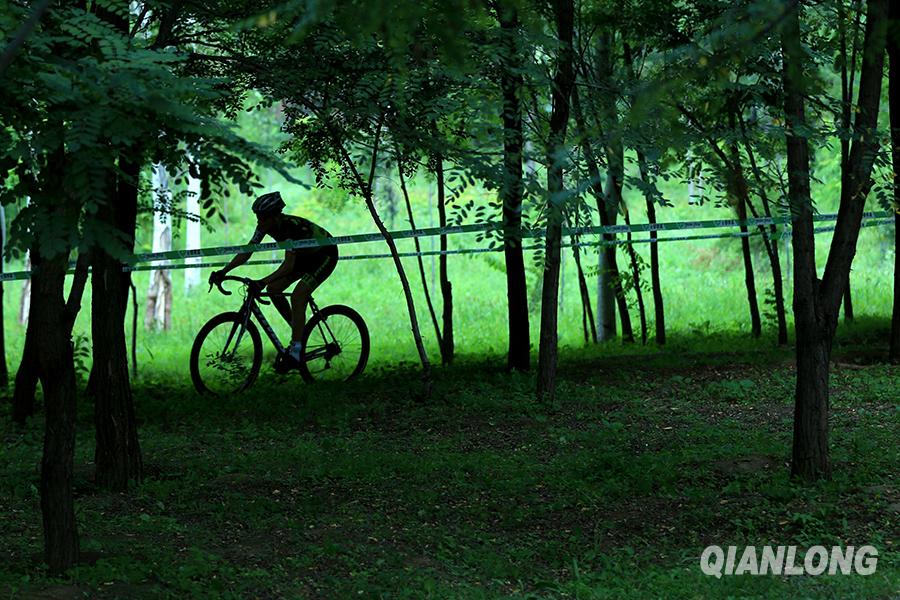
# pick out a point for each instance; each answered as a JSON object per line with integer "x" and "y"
{"x": 242, "y": 258}
{"x": 283, "y": 270}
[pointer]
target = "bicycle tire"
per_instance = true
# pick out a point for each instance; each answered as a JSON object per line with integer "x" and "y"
{"x": 313, "y": 329}
{"x": 226, "y": 317}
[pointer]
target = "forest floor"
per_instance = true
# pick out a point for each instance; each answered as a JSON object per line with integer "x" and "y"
{"x": 367, "y": 490}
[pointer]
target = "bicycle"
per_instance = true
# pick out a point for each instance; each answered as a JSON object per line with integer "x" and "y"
{"x": 335, "y": 343}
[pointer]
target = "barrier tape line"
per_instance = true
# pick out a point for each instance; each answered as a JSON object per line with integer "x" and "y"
{"x": 473, "y": 228}
{"x": 616, "y": 242}
{"x": 872, "y": 219}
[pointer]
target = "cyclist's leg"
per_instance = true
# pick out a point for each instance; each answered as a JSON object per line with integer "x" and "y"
{"x": 308, "y": 282}
{"x": 281, "y": 303}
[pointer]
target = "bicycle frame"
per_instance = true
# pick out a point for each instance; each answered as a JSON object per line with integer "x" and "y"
{"x": 251, "y": 307}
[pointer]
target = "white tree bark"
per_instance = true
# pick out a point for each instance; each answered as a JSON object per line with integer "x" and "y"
{"x": 158, "y": 314}
{"x": 25, "y": 300}
{"x": 192, "y": 275}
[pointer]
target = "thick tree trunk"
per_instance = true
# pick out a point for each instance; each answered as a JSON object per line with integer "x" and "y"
{"x": 817, "y": 303}
{"x": 117, "y": 453}
{"x": 519, "y": 352}
{"x": 893, "y": 48}
{"x": 563, "y": 82}
{"x": 26, "y": 381}
{"x": 52, "y": 345}
{"x": 810, "y": 445}
{"x": 448, "y": 343}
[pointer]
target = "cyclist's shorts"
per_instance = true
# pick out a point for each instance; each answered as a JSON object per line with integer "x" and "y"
{"x": 315, "y": 269}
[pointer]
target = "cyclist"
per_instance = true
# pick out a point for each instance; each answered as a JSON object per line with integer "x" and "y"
{"x": 309, "y": 267}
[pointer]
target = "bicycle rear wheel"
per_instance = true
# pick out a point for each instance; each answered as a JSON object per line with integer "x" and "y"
{"x": 226, "y": 356}
{"x": 335, "y": 345}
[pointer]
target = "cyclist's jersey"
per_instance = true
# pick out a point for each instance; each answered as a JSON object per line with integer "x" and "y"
{"x": 291, "y": 227}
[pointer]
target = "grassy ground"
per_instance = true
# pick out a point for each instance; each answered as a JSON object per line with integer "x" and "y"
{"x": 365, "y": 490}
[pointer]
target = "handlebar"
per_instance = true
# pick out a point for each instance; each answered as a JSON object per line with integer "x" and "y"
{"x": 218, "y": 284}
{"x": 243, "y": 280}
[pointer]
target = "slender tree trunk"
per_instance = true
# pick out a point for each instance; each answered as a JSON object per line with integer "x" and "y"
{"x": 448, "y": 343}
{"x": 847, "y": 112}
{"x": 4, "y": 370}
{"x": 615, "y": 160}
{"x": 770, "y": 241}
{"x": 659, "y": 311}
{"x": 158, "y": 313}
{"x": 365, "y": 189}
{"x": 893, "y": 48}
{"x": 519, "y": 352}
{"x": 563, "y": 83}
{"x": 739, "y": 187}
{"x": 412, "y": 225}
{"x": 609, "y": 270}
{"x": 817, "y": 303}
{"x": 587, "y": 314}
{"x": 117, "y": 453}
{"x": 25, "y": 298}
{"x": 636, "y": 282}
{"x": 192, "y": 241}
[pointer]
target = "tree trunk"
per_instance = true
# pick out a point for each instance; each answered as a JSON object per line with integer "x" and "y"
{"x": 447, "y": 346}
{"x": 893, "y": 48}
{"x": 53, "y": 351}
{"x": 848, "y": 302}
{"x": 847, "y": 112}
{"x": 117, "y": 453}
{"x": 770, "y": 242}
{"x": 817, "y": 303}
{"x": 418, "y": 246}
{"x": 608, "y": 276}
{"x": 519, "y": 352}
{"x": 810, "y": 441}
{"x": 365, "y": 189}
{"x": 4, "y": 370}
{"x": 26, "y": 381}
{"x": 659, "y": 311}
{"x": 158, "y": 314}
{"x": 192, "y": 241}
{"x": 739, "y": 187}
{"x": 563, "y": 83}
{"x": 615, "y": 159}
{"x": 636, "y": 282}
{"x": 587, "y": 314}
{"x": 25, "y": 298}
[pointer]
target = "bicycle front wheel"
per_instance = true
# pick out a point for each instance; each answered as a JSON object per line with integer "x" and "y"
{"x": 335, "y": 345}
{"x": 226, "y": 355}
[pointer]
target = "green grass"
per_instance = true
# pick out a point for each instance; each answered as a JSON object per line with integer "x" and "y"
{"x": 364, "y": 490}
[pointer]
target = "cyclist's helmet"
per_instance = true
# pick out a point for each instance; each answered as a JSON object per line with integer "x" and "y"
{"x": 268, "y": 204}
